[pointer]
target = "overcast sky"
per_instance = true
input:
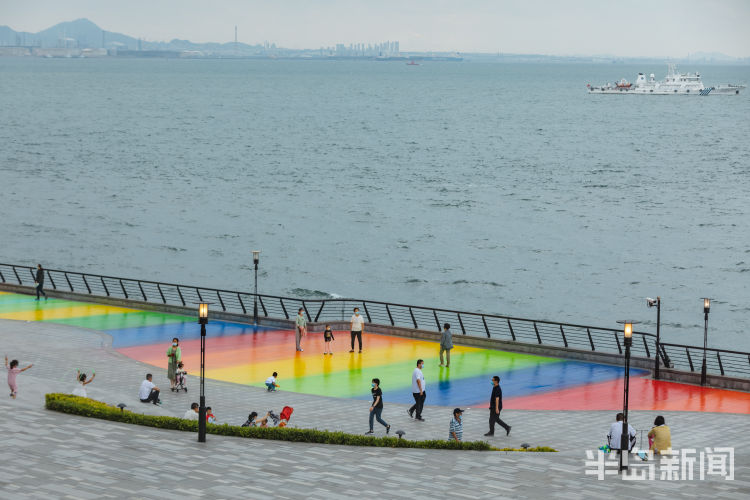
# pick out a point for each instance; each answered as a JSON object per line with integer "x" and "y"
{"x": 626, "y": 28}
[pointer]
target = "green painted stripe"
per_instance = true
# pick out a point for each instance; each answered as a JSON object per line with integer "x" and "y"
{"x": 123, "y": 320}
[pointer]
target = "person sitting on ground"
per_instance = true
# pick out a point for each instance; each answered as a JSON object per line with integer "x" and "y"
{"x": 148, "y": 392}
{"x": 192, "y": 413}
{"x": 271, "y": 384}
{"x": 254, "y": 421}
{"x": 210, "y": 418}
{"x": 661, "y": 436}
{"x": 80, "y": 390}
{"x": 614, "y": 438}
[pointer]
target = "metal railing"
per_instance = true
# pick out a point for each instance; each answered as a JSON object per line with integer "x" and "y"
{"x": 541, "y": 332}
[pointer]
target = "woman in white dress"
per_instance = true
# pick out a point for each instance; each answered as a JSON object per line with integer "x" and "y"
{"x": 80, "y": 390}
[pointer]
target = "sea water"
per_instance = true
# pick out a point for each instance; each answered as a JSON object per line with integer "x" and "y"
{"x": 502, "y": 188}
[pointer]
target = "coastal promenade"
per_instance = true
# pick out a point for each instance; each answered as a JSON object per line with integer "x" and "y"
{"x": 55, "y": 455}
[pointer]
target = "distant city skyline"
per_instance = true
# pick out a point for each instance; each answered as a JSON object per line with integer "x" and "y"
{"x": 627, "y": 29}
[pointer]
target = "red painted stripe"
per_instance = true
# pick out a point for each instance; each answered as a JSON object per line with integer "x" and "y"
{"x": 645, "y": 394}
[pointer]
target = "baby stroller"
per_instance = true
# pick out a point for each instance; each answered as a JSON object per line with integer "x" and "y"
{"x": 180, "y": 380}
{"x": 286, "y": 414}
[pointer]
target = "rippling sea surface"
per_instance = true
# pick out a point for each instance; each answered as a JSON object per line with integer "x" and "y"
{"x": 500, "y": 188}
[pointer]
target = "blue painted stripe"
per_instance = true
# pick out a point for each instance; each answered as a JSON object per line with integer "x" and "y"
{"x": 475, "y": 391}
{"x": 156, "y": 334}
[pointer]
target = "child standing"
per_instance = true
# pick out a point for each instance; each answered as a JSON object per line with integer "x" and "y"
{"x": 271, "y": 384}
{"x": 328, "y": 338}
{"x": 14, "y": 370}
{"x": 80, "y": 390}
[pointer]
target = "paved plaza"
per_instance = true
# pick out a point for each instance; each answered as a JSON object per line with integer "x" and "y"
{"x": 52, "y": 455}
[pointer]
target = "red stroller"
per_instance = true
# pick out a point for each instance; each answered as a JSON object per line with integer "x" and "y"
{"x": 286, "y": 414}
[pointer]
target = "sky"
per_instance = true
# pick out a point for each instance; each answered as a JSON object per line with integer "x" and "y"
{"x": 629, "y": 28}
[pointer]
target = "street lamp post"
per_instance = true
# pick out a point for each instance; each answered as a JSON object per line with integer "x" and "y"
{"x": 706, "y": 308}
{"x": 657, "y": 303}
{"x": 256, "y": 259}
{"x": 202, "y": 319}
{"x": 625, "y": 439}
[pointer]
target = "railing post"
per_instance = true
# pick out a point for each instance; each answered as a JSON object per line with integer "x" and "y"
{"x": 86, "y": 283}
{"x": 2, "y": 277}
{"x": 31, "y": 271}
{"x": 283, "y": 308}
{"x": 163, "y": 299}
{"x": 645, "y": 345}
{"x": 388, "y": 310}
{"x": 218, "y": 294}
{"x": 413, "y": 319}
{"x": 242, "y": 305}
{"x": 617, "y": 339}
{"x": 591, "y": 340}
{"x": 460, "y": 322}
{"x": 144, "y": 293}
{"x": 179, "y": 292}
{"x": 690, "y": 360}
{"x": 106, "y": 290}
{"x": 486, "y": 328}
{"x": 198, "y": 292}
{"x": 69, "y": 283}
{"x": 538, "y": 337}
{"x": 262, "y": 306}
{"x": 437, "y": 321}
{"x": 367, "y": 313}
{"x": 721, "y": 367}
{"x": 322, "y": 305}
{"x": 17, "y": 276}
{"x": 562, "y": 332}
{"x": 124, "y": 292}
{"x": 304, "y": 306}
{"x": 49, "y": 275}
{"x": 512, "y": 333}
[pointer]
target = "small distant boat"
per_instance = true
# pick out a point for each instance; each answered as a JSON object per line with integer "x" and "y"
{"x": 412, "y": 63}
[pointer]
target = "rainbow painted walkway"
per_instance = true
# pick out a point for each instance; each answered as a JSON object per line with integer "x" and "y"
{"x": 247, "y": 355}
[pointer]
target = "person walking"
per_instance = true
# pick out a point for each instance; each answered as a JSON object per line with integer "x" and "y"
{"x": 39, "y": 281}
{"x": 301, "y": 329}
{"x": 496, "y": 404}
{"x": 446, "y": 344}
{"x": 357, "y": 328}
{"x": 456, "y": 428}
{"x": 174, "y": 356}
{"x": 376, "y": 408}
{"x": 418, "y": 391}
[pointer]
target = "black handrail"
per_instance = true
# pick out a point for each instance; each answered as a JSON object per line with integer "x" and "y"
{"x": 509, "y": 328}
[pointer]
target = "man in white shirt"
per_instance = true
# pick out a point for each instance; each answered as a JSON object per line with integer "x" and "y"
{"x": 149, "y": 393}
{"x": 614, "y": 438}
{"x": 418, "y": 391}
{"x": 358, "y": 328}
{"x": 192, "y": 413}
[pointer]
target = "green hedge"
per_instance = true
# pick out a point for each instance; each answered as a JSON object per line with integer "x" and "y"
{"x": 85, "y": 407}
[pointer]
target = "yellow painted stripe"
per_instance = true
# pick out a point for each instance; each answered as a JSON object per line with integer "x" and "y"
{"x": 64, "y": 312}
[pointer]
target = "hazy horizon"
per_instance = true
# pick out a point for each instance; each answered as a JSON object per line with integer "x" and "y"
{"x": 638, "y": 28}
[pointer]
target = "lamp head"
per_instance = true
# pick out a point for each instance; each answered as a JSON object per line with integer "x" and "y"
{"x": 628, "y": 330}
{"x": 256, "y": 256}
{"x": 706, "y": 305}
{"x": 651, "y": 302}
{"x": 203, "y": 313}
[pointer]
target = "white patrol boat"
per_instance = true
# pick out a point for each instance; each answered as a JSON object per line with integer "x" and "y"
{"x": 674, "y": 83}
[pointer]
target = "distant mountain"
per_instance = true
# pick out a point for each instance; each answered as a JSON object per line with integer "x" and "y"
{"x": 80, "y": 33}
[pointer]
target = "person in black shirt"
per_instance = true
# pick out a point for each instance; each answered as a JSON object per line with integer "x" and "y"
{"x": 496, "y": 404}
{"x": 376, "y": 409}
{"x": 39, "y": 281}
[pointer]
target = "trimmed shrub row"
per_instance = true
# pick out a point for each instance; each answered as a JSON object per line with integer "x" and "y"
{"x": 85, "y": 407}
